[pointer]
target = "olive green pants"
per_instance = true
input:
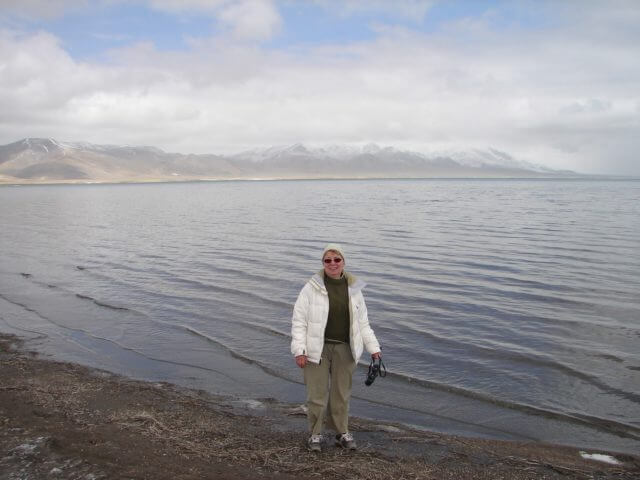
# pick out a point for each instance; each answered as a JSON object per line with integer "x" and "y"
{"x": 329, "y": 388}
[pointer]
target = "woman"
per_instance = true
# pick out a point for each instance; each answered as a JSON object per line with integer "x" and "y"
{"x": 329, "y": 331}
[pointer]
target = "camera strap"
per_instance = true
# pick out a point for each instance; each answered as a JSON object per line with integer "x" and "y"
{"x": 382, "y": 369}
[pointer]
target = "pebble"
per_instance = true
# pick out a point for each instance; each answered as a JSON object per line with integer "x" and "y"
{"x": 388, "y": 428}
{"x": 599, "y": 457}
{"x": 27, "y": 449}
{"x": 251, "y": 404}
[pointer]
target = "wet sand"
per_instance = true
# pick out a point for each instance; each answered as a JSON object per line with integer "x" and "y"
{"x": 60, "y": 420}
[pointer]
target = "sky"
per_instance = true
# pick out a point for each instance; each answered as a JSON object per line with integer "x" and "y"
{"x": 554, "y": 83}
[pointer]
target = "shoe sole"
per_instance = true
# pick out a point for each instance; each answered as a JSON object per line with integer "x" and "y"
{"x": 338, "y": 444}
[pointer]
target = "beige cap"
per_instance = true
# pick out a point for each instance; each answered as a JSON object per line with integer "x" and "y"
{"x": 335, "y": 248}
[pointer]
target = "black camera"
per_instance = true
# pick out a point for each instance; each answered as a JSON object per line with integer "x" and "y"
{"x": 375, "y": 369}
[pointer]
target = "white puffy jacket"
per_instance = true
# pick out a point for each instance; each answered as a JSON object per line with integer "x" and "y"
{"x": 310, "y": 314}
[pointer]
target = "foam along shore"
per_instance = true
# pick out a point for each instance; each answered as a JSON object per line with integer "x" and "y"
{"x": 61, "y": 420}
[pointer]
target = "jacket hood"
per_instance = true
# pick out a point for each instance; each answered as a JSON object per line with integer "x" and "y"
{"x": 354, "y": 283}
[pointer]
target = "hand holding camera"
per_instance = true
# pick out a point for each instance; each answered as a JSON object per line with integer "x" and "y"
{"x": 376, "y": 368}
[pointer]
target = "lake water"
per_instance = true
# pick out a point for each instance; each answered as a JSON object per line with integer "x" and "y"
{"x": 505, "y": 308}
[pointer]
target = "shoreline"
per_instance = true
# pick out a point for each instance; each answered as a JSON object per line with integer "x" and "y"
{"x": 62, "y": 420}
{"x": 170, "y": 180}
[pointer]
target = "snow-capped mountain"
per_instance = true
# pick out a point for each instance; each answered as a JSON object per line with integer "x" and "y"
{"x": 475, "y": 158}
{"x": 339, "y": 152}
{"x": 39, "y": 160}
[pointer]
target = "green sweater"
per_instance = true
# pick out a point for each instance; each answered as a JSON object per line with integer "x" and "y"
{"x": 338, "y": 322}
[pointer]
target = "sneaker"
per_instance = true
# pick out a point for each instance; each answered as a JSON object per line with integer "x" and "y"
{"x": 346, "y": 441}
{"x": 314, "y": 443}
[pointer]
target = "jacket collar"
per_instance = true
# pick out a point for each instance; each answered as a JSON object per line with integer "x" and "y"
{"x": 354, "y": 283}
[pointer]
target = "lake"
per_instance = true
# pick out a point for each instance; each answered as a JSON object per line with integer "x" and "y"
{"x": 505, "y": 308}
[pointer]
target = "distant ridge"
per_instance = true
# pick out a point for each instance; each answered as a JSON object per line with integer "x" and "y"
{"x": 45, "y": 160}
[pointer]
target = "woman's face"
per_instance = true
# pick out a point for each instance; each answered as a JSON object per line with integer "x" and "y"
{"x": 333, "y": 264}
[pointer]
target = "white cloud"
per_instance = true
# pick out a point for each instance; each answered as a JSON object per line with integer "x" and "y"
{"x": 245, "y": 19}
{"x": 251, "y": 19}
{"x": 40, "y": 8}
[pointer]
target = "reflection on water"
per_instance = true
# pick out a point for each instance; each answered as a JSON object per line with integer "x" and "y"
{"x": 505, "y": 308}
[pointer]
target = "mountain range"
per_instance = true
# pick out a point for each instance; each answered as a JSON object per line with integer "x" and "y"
{"x": 45, "y": 160}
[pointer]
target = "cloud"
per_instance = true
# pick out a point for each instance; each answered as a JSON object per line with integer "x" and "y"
{"x": 41, "y": 8}
{"x": 591, "y": 105}
{"x": 25, "y": 84}
{"x": 244, "y": 19}
{"x": 44, "y": 90}
{"x": 251, "y": 19}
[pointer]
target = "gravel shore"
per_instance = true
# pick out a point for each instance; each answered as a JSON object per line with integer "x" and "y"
{"x": 64, "y": 421}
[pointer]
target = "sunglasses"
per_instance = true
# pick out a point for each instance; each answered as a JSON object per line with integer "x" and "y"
{"x": 329, "y": 260}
